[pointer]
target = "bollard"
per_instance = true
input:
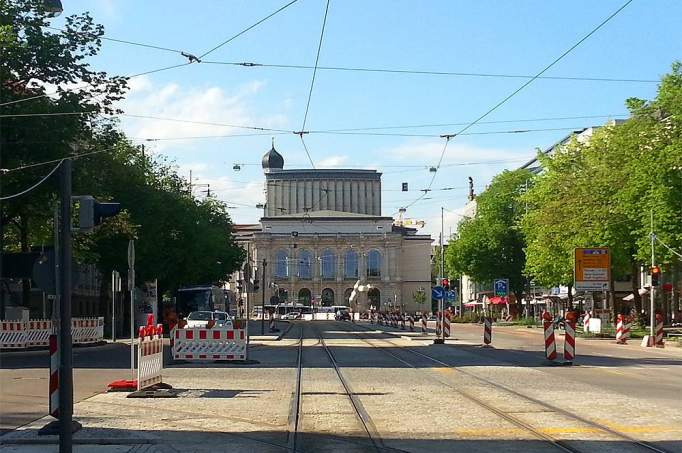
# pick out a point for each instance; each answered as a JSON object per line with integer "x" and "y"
{"x": 627, "y": 325}
{"x": 586, "y": 322}
{"x": 569, "y": 336}
{"x": 487, "y": 331}
{"x": 438, "y": 325}
{"x": 411, "y": 321}
{"x": 620, "y": 338}
{"x": 550, "y": 344}
{"x": 660, "y": 343}
{"x": 424, "y": 323}
{"x": 446, "y": 325}
{"x": 402, "y": 321}
{"x": 54, "y": 377}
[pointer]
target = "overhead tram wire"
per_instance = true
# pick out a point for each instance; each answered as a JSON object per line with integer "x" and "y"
{"x": 34, "y": 186}
{"x": 434, "y": 73}
{"x": 312, "y": 85}
{"x": 246, "y": 29}
{"x": 120, "y": 41}
{"x": 515, "y": 92}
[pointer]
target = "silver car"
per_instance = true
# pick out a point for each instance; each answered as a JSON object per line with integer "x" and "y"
{"x": 200, "y": 319}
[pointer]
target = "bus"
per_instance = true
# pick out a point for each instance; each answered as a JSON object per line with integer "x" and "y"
{"x": 194, "y": 298}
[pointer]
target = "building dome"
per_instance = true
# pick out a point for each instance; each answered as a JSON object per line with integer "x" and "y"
{"x": 272, "y": 160}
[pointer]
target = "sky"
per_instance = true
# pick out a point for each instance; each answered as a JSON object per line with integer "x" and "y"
{"x": 516, "y": 37}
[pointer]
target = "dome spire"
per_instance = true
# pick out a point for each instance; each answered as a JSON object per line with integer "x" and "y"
{"x": 272, "y": 160}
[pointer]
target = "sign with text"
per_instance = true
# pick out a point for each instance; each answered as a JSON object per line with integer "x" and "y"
{"x": 592, "y": 269}
{"x": 438, "y": 292}
{"x": 501, "y": 287}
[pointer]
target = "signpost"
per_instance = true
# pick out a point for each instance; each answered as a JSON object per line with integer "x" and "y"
{"x": 131, "y": 287}
{"x": 439, "y": 293}
{"x": 592, "y": 269}
{"x": 501, "y": 287}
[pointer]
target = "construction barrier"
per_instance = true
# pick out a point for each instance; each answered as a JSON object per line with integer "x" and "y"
{"x": 402, "y": 322}
{"x": 209, "y": 344}
{"x": 569, "y": 336}
{"x": 446, "y": 325}
{"x": 438, "y": 324}
{"x": 87, "y": 330}
{"x": 424, "y": 323}
{"x": 54, "y": 376}
{"x": 619, "y": 330}
{"x": 627, "y": 326}
{"x": 12, "y": 334}
{"x": 38, "y": 332}
{"x": 660, "y": 343}
{"x": 149, "y": 356}
{"x": 550, "y": 344}
{"x": 410, "y": 319}
{"x": 586, "y": 321}
{"x": 487, "y": 330}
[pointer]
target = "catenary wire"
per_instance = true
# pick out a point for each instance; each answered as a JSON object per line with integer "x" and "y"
{"x": 429, "y": 72}
{"x": 246, "y": 29}
{"x": 515, "y": 92}
{"x": 34, "y": 186}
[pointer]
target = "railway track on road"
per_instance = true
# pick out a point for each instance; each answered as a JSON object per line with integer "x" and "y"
{"x": 559, "y": 444}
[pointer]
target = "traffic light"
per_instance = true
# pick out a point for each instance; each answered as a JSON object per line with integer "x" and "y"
{"x": 655, "y": 275}
{"x": 93, "y": 212}
{"x": 445, "y": 283}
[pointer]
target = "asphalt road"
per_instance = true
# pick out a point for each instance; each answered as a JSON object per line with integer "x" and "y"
{"x": 366, "y": 388}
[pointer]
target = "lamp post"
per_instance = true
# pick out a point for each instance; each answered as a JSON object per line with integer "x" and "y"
{"x": 262, "y": 318}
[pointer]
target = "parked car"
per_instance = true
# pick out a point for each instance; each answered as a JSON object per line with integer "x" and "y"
{"x": 292, "y": 315}
{"x": 201, "y": 319}
{"x": 342, "y": 315}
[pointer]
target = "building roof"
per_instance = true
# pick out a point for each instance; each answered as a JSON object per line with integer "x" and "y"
{"x": 324, "y": 173}
{"x": 272, "y": 160}
{"x": 326, "y": 214}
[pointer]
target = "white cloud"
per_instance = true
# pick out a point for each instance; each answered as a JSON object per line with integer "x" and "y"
{"x": 333, "y": 161}
{"x": 196, "y": 105}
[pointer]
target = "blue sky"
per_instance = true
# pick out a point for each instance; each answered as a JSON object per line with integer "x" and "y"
{"x": 510, "y": 37}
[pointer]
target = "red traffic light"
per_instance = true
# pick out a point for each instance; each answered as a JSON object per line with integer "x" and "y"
{"x": 655, "y": 275}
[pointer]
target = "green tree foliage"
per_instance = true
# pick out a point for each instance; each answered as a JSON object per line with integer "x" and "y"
{"x": 602, "y": 191}
{"x": 490, "y": 245}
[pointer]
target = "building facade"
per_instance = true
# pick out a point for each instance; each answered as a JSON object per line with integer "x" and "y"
{"x": 322, "y": 231}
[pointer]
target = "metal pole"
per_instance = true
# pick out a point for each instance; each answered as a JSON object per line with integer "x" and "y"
{"x": 442, "y": 246}
{"x": 131, "y": 287}
{"x": 652, "y": 316}
{"x": 65, "y": 362}
{"x": 113, "y": 305}
{"x": 262, "y": 309}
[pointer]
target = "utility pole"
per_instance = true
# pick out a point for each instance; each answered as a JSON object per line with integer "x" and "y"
{"x": 65, "y": 362}
{"x": 262, "y": 309}
{"x": 442, "y": 242}
{"x": 652, "y": 288}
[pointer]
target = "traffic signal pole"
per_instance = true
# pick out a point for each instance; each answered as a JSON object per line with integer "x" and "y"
{"x": 65, "y": 365}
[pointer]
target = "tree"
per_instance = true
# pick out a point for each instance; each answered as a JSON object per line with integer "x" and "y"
{"x": 490, "y": 245}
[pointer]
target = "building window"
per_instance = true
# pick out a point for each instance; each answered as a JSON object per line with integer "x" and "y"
{"x": 374, "y": 298}
{"x": 304, "y": 296}
{"x": 350, "y": 265}
{"x": 327, "y": 297}
{"x": 281, "y": 264}
{"x": 374, "y": 263}
{"x": 305, "y": 270}
{"x": 328, "y": 264}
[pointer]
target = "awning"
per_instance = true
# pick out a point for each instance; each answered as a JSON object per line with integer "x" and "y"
{"x": 631, "y": 297}
{"x": 472, "y": 303}
{"x": 497, "y": 300}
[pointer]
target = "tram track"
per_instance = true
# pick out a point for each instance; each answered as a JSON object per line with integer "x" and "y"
{"x": 560, "y": 444}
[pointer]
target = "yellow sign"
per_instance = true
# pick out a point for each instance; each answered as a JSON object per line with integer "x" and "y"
{"x": 592, "y": 269}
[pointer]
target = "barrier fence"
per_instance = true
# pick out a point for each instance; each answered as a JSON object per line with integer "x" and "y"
{"x": 209, "y": 344}
{"x": 36, "y": 332}
{"x": 149, "y": 356}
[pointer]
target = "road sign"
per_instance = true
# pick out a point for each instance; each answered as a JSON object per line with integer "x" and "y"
{"x": 592, "y": 269}
{"x": 501, "y": 287}
{"x": 438, "y": 292}
{"x": 451, "y": 295}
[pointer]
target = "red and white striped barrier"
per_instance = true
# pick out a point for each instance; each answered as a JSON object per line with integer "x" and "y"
{"x": 487, "y": 330}
{"x": 550, "y": 344}
{"x": 402, "y": 322}
{"x": 438, "y": 325}
{"x": 660, "y": 343}
{"x": 149, "y": 356}
{"x": 410, "y": 319}
{"x": 619, "y": 330}
{"x": 54, "y": 376}
{"x": 627, "y": 326}
{"x": 209, "y": 344}
{"x": 38, "y": 332}
{"x": 569, "y": 340}
{"x": 446, "y": 324}
{"x": 87, "y": 330}
{"x": 424, "y": 323}
{"x": 12, "y": 335}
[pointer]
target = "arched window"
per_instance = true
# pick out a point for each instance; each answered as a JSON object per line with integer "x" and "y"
{"x": 374, "y": 263}
{"x": 328, "y": 264}
{"x": 374, "y": 298}
{"x": 350, "y": 265}
{"x": 346, "y": 296}
{"x": 282, "y": 264}
{"x": 304, "y": 296}
{"x": 327, "y": 297}
{"x": 305, "y": 270}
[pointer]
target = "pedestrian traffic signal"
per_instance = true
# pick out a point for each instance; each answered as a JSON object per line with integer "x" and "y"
{"x": 92, "y": 212}
{"x": 655, "y": 276}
